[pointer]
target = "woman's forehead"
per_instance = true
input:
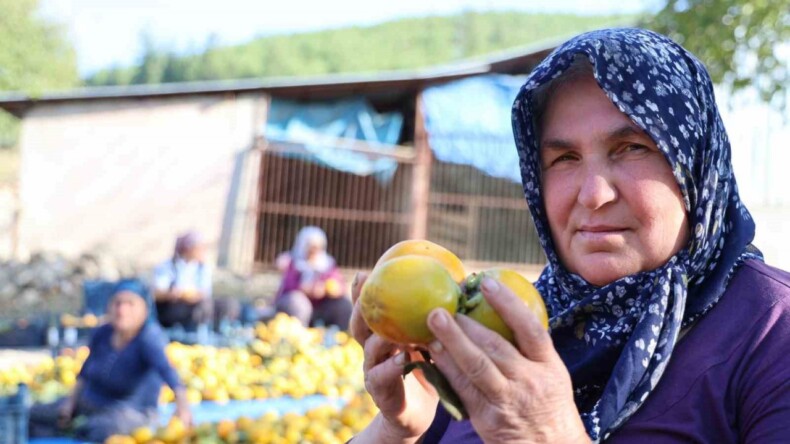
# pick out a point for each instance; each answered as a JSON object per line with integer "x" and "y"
{"x": 126, "y": 295}
{"x": 583, "y": 108}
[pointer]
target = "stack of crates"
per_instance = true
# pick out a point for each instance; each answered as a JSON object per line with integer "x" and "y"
{"x": 14, "y": 416}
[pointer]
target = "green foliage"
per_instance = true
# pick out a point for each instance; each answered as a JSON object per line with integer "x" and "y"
{"x": 9, "y": 130}
{"x": 34, "y": 57}
{"x": 400, "y": 44}
{"x": 739, "y": 41}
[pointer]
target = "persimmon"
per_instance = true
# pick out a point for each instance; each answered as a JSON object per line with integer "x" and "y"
{"x": 476, "y": 307}
{"x": 427, "y": 248}
{"x": 400, "y": 293}
{"x": 414, "y": 277}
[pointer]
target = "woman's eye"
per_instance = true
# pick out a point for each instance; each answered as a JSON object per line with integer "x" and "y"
{"x": 634, "y": 148}
{"x": 562, "y": 158}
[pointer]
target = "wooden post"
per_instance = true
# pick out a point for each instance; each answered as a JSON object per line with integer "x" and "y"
{"x": 15, "y": 222}
{"x": 473, "y": 233}
{"x": 421, "y": 182}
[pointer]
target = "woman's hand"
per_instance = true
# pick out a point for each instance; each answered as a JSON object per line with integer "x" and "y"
{"x": 67, "y": 409}
{"x": 182, "y": 407}
{"x": 313, "y": 289}
{"x": 185, "y": 415}
{"x": 170, "y": 295}
{"x": 318, "y": 289}
{"x": 512, "y": 394}
{"x": 406, "y": 404}
{"x": 66, "y": 413}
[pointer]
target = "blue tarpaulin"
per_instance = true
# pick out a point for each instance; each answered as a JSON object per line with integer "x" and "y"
{"x": 322, "y": 128}
{"x": 208, "y": 411}
{"x": 213, "y": 412}
{"x": 468, "y": 123}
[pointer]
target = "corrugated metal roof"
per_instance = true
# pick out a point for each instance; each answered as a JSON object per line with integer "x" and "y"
{"x": 518, "y": 60}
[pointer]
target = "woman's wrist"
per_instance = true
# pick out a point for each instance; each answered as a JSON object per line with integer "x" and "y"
{"x": 180, "y": 395}
{"x": 381, "y": 431}
{"x": 72, "y": 398}
{"x": 572, "y": 431}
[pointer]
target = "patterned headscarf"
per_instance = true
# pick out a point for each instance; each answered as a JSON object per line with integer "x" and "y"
{"x": 616, "y": 340}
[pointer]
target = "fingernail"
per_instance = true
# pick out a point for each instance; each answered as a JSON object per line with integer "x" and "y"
{"x": 400, "y": 359}
{"x": 439, "y": 318}
{"x": 436, "y": 347}
{"x": 489, "y": 285}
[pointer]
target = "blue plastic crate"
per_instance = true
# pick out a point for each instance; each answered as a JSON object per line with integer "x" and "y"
{"x": 14, "y": 417}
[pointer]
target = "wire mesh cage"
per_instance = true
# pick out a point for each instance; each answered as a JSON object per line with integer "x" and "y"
{"x": 479, "y": 217}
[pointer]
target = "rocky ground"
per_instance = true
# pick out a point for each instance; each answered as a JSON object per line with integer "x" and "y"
{"x": 51, "y": 284}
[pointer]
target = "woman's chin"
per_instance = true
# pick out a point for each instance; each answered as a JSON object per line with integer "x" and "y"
{"x": 601, "y": 269}
{"x": 126, "y": 327}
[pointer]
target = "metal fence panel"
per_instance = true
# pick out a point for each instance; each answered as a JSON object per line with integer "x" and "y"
{"x": 480, "y": 218}
{"x": 361, "y": 216}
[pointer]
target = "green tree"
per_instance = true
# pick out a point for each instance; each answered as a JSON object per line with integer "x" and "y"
{"x": 153, "y": 63}
{"x": 34, "y": 57}
{"x": 399, "y": 44}
{"x": 742, "y": 42}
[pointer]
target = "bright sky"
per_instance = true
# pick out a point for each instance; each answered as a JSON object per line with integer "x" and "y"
{"x": 107, "y": 32}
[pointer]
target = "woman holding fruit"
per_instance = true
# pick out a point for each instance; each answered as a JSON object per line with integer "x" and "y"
{"x": 117, "y": 389}
{"x": 312, "y": 288}
{"x": 183, "y": 285}
{"x": 665, "y": 324}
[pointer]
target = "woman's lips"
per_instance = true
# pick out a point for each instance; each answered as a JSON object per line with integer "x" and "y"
{"x": 601, "y": 233}
{"x": 600, "y": 228}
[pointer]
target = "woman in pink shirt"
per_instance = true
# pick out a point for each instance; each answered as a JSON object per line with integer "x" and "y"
{"x": 312, "y": 288}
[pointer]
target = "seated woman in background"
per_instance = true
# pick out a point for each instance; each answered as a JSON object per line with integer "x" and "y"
{"x": 118, "y": 387}
{"x": 182, "y": 285}
{"x": 312, "y": 288}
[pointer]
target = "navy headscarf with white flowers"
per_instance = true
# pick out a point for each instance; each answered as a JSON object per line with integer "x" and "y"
{"x": 616, "y": 340}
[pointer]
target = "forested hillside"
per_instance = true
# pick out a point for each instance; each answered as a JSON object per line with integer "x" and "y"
{"x": 400, "y": 44}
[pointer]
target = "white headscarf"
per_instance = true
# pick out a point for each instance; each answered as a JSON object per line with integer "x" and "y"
{"x": 320, "y": 263}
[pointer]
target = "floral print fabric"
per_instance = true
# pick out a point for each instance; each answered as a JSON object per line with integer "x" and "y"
{"x": 616, "y": 340}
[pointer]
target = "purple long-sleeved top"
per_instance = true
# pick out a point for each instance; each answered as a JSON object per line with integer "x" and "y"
{"x": 728, "y": 380}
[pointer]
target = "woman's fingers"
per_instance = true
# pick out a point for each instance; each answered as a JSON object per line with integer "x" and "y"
{"x": 185, "y": 416}
{"x": 377, "y": 350}
{"x": 502, "y": 353}
{"x": 383, "y": 369}
{"x": 356, "y": 285}
{"x": 384, "y": 376}
{"x": 533, "y": 340}
{"x": 463, "y": 362}
{"x": 357, "y": 326}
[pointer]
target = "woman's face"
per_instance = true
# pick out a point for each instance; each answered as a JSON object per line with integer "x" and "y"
{"x": 195, "y": 253}
{"x": 613, "y": 205}
{"x": 127, "y": 311}
{"x": 314, "y": 248}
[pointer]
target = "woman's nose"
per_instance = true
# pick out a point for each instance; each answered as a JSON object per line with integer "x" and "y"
{"x": 597, "y": 190}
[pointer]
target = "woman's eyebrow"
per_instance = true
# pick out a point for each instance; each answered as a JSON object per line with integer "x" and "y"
{"x": 625, "y": 131}
{"x": 556, "y": 144}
